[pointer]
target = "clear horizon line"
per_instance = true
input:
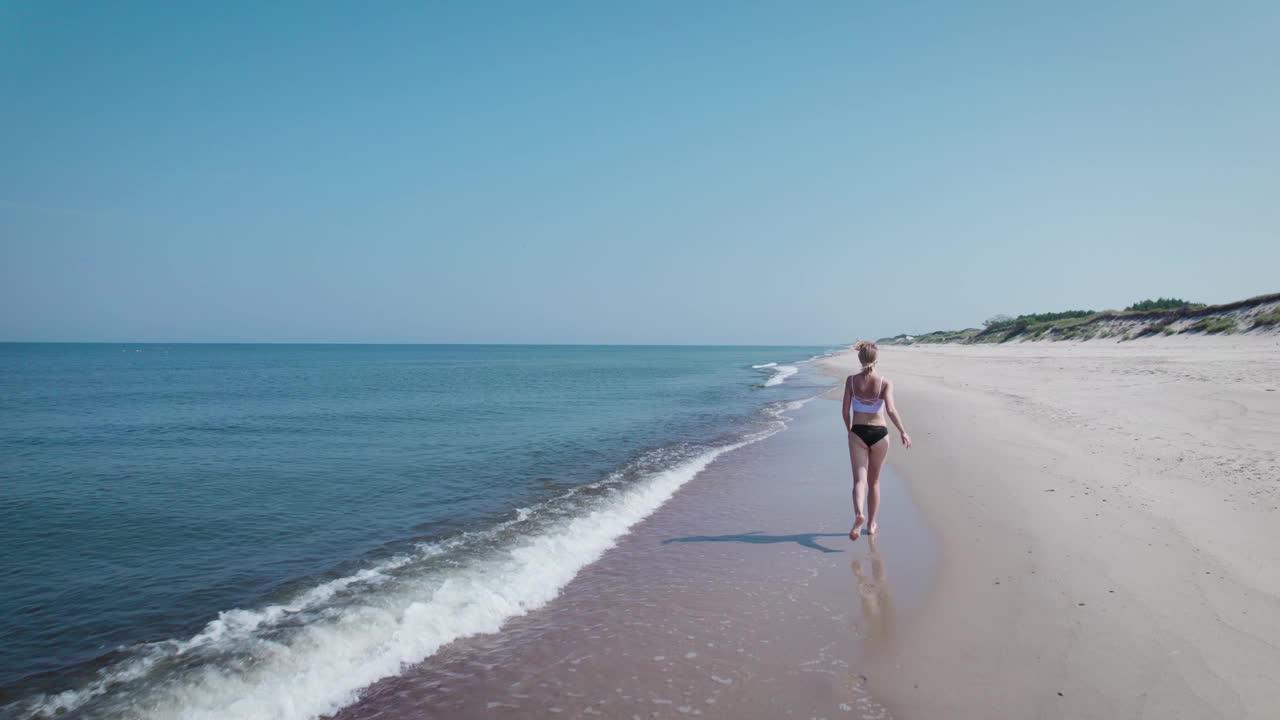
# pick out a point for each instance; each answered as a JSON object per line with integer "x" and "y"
{"x": 332, "y": 342}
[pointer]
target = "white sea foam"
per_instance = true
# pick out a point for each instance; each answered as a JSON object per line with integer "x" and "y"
{"x": 766, "y": 365}
{"x": 311, "y": 656}
{"x": 779, "y": 410}
{"x": 780, "y": 375}
{"x": 824, "y": 354}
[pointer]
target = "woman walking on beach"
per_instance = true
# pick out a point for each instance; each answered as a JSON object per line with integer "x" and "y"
{"x": 868, "y": 396}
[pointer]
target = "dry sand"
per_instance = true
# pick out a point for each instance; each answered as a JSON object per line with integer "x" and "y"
{"x": 1108, "y": 521}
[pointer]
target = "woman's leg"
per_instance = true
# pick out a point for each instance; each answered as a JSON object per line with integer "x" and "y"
{"x": 878, "y": 453}
{"x": 860, "y": 458}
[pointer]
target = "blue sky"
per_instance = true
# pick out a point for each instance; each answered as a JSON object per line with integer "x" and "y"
{"x": 645, "y": 172}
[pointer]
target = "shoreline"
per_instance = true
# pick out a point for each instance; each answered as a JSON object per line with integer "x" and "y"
{"x": 1107, "y": 516}
{"x": 1081, "y": 530}
{"x": 316, "y": 639}
{"x": 740, "y": 597}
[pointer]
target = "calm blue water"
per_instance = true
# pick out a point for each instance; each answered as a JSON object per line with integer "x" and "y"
{"x": 145, "y": 489}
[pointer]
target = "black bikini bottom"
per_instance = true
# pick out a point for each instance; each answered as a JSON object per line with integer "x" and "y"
{"x": 870, "y": 434}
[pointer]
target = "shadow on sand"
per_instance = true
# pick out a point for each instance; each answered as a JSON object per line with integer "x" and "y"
{"x": 758, "y": 538}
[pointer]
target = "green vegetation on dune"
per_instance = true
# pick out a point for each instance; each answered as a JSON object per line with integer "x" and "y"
{"x": 1000, "y": 323}
{"x": 1071, "y": 328}
{"x": 938, "y": 336}
{"x": 945, "y": 336}
{"x": 1161, "y": 304}
{"x": 1161, "y": 316}
{"x": 1002, "y": 328}
{"x": 1160, "y": 327}
{"x": 1266, "y": 320}
{"x": 1213, "y": 325}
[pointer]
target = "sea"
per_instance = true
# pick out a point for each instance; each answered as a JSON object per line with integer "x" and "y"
{"x": 261, "y": 531}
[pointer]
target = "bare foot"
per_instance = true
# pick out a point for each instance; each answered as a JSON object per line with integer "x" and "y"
{"x": 857, "y": 529}
{"x": 871, "y": 529}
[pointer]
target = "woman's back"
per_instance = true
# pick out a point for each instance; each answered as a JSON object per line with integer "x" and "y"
{"x": 868, "y": 395}
{"x": 868, "y": 398}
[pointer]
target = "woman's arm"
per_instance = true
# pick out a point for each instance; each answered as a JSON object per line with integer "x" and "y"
{"x": 893, "y": 413}
{"x": 844, "y": 406}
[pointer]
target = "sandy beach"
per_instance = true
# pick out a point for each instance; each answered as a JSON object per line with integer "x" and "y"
{"x": 742, "y": 597}
{"x": 1107, "y": 515}
{"x": 1081, "y": 531}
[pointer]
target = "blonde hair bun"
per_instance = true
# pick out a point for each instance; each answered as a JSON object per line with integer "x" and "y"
{"x": 868, "y": 353}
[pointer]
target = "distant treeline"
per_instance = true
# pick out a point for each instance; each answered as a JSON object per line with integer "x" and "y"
{"x": 1161, "y": 304}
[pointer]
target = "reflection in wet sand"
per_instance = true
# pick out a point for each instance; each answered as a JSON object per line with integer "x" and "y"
{"x": 876, "y": 598}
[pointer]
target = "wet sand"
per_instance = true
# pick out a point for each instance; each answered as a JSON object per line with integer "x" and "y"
{"x": 742, "y": 597}
{"x": 1109, "y": 517}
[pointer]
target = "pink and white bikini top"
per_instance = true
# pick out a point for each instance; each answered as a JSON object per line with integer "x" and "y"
{"x": 864, "y": 406}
